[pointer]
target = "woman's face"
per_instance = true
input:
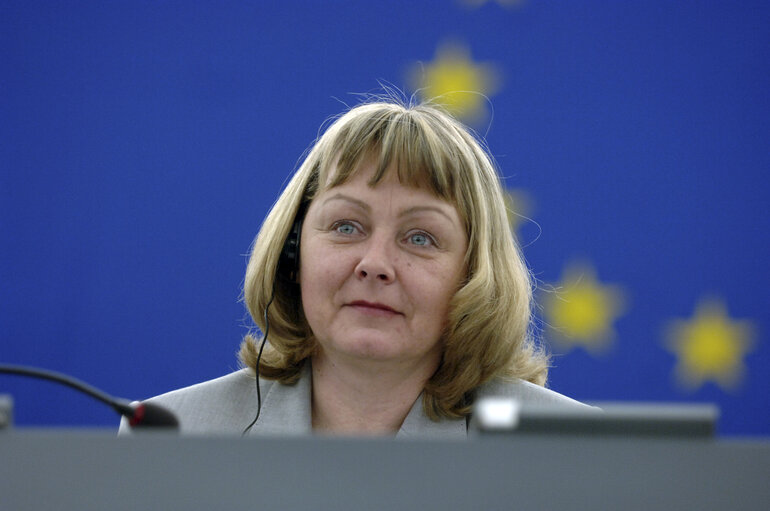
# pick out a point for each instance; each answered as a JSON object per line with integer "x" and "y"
{"x": 378, "y": 268}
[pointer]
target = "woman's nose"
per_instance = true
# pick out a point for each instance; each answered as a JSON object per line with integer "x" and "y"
{"x": 377, "y": 262}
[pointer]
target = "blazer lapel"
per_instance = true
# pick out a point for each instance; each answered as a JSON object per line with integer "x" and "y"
{"x": 286, "y": 408}
{"x": 418, "y": 425}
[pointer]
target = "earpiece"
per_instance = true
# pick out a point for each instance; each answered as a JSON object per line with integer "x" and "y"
{"x": 288, "y": 265}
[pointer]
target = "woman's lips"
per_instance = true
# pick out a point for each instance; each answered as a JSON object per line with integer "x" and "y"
{"x": 373, "y": 309}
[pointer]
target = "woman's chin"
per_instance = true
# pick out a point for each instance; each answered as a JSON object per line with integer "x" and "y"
{"x": 380, "y": 350}
{"x": 373, "y": 349}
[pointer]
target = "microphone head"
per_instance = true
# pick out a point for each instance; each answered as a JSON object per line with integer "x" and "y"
{"x": 149, "y": 415}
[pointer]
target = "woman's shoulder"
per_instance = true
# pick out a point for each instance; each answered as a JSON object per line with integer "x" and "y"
{"x": 222, "y": 405}
{"x": 237, "y": 380}
{"x": 525, "y": 392}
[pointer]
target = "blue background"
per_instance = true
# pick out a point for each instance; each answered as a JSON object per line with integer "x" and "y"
{"x": 142, "y": 143}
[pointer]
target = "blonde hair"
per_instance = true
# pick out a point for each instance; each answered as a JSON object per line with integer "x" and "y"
{"x": 488, "y": 333}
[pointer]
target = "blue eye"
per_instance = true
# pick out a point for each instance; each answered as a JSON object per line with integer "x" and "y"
{"x": 345, "y": 228}
{"x": 421, "y": 239}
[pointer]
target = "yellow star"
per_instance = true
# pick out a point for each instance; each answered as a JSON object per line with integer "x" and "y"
{"x": 581, "y": 310}
{"x": 456, "y": 82}
{"x": 710, "y": 346}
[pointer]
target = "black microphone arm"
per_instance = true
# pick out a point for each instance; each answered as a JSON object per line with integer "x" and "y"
{"x": 139, "y": 415}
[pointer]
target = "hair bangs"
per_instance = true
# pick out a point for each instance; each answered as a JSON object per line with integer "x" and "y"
{"x": 398, "y": 141}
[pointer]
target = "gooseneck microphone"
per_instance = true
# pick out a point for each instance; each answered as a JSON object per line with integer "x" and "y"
{"x": 139, "y": 415}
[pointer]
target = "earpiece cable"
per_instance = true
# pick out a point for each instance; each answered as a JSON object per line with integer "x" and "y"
{"x": 259, "y": 359}
{"x": 290, "y": 257}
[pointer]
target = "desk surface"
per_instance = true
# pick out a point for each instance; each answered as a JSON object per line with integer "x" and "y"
{"x": 94, "y": 470}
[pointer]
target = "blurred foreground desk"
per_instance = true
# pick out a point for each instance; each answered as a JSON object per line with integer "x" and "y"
{"x": 96, "y": 471}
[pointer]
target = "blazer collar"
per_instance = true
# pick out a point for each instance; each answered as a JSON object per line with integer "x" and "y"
{"x": 286, "y": 410}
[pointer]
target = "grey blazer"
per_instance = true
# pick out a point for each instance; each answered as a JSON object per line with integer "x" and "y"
{"x": 226, "y": 405}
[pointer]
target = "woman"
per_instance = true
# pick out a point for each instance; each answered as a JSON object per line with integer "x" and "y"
{"x": 390, "y": 289}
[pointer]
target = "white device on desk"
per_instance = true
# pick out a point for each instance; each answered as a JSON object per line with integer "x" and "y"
{"x": 500, "y": 415}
